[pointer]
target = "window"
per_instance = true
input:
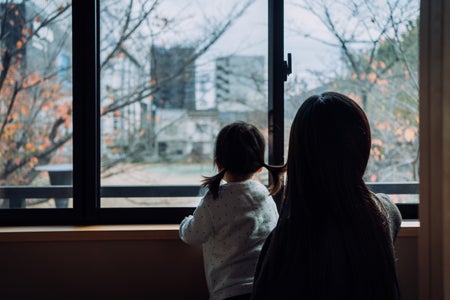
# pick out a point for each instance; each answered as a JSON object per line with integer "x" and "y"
{"x": 192, "y": 67}
{"x": 148, "y": 84}
{"x": 35, "y": 102}
{"x": 368, "y": 50}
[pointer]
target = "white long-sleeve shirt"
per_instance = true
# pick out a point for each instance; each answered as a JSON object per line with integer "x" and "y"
{"x": 231, "y": 230}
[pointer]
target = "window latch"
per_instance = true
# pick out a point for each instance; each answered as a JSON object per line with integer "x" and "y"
{"x": 287, "y": 66}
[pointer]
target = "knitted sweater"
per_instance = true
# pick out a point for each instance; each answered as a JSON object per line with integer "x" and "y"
{"x": 280, "y": 272}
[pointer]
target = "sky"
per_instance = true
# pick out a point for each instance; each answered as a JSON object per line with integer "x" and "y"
{"x": 247, "y": 36}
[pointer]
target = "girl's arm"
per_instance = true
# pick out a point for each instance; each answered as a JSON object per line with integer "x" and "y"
{"x": 197, "y": 229}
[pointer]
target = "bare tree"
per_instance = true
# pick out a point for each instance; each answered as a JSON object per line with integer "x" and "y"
{"x": 35, "y": 94}
{"x": 377, "y": 46}
{"x": 154, "y": 41}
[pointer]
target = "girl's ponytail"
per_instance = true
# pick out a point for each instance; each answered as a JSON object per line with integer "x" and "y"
{"x": 213, "y": 183}
{"x": 276, "y": 174}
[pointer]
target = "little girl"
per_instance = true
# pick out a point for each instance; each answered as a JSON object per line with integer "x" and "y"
{"x": 233, "y": 220}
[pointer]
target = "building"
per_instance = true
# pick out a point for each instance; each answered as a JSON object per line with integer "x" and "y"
{"x": 120, "y": 77}
{"x": 26, "y": 39}
{"x": 172, "y": 71}
{"x": 240, "y": 87}
{"x": 183, "y": 135}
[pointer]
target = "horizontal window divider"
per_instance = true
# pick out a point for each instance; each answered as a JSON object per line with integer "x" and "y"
{"x": 65, "y": 191}
{"x": 153, "y": 215}
{"x": 143, "y": 215}
{"x": 395, "y": 188}
{"x": 151, "y": 191}
{"x": 55, "y": 191}
{"x": 409, "y": 211}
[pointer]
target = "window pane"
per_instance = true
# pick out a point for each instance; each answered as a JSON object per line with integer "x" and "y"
{"x": 369, "y": 51}
{"x": 35, "y": 103}
{"x": 172, "y": 74}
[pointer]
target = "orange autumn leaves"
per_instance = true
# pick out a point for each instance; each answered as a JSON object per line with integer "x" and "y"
{"x": 30, "y": 107}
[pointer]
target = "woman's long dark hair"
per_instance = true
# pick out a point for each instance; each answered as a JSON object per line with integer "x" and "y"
{"x": 344, "y": 238}
{"x": 240, "y": 150}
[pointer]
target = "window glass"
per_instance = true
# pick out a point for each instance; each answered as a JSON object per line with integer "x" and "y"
{"x": 369, "y": 51}
{"x": 172, "y": 74}
{"x": 35, "y": 103}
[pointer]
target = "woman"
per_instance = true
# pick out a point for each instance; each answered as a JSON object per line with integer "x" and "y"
{"x": 334, "y": 239}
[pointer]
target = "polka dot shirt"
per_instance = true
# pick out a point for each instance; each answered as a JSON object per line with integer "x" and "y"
{"x": 231, "y": 230}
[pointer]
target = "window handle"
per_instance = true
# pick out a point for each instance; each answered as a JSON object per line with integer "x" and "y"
{"x": 287, "y": 66}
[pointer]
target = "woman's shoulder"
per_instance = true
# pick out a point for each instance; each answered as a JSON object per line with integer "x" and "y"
{"x": 386, "y": 202}
{"x": 392, "y": 212}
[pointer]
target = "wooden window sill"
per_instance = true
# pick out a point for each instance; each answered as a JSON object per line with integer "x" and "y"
{"x": 118, "y": 232}
{"x": 89, "y": 233}
{"x": 409, "y": 229}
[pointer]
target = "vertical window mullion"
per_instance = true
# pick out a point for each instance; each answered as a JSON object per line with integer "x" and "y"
{"x": 276, "y": 84}
{"x": 86, "y": 117}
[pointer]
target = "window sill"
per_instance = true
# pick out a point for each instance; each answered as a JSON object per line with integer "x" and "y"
{"x": 119, "y": 232}
{"x": 409, "y": 229}
{"x": 88, "y": 233}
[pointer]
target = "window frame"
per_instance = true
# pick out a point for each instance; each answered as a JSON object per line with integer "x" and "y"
{"x": 87, "y": 191}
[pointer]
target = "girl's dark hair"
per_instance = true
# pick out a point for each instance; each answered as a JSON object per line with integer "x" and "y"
{"x": 344, "y": 237}
{"x": 240, "y": 150}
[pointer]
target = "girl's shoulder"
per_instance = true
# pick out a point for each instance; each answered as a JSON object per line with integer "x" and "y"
{"x": 248, "y": 184}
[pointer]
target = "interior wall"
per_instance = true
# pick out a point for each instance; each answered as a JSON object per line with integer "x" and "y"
{"x": 407, "y": 250}
{"x": 159, "y": 269}
{"x": 434, "y": 140}
{"x": 134, "y": 269}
